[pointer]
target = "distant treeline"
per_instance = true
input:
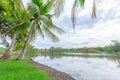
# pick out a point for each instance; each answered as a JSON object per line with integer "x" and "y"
{"x": 113, "y": 48}
{"x": 32, "y": 51}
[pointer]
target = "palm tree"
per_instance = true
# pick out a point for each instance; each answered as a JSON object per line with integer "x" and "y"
{"x": 16, "y": 14}
{"x": 40, "y": 22}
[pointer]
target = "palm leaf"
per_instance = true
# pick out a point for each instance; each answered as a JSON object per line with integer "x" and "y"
{"x": 33, "y": 34}
{"x": 82, "y": 2}
{"x": 33, "y": 9}
{"x": 94, "y": 9}
{"x": 37, "y": 2}
{"x": 39, "y": 29}
{"x": 22, "y": 28}
{"x": 1, "y": 9}
{"x": 50, "y": 34}
{"x": 58, "y": 6}
{"x": 75, "y": 10}
{"x": 48, "y": 22}
{"x": 45, "y": 8}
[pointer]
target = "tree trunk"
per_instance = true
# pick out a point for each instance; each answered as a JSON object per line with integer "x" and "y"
{"x": 8, "y": 53}
{"x": 22, "y": 55}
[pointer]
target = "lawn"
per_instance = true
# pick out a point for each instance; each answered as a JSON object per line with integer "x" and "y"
{"x": 20, "y": 70}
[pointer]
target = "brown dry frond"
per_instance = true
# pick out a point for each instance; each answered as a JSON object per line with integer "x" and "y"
{"x": 94, "y": 9}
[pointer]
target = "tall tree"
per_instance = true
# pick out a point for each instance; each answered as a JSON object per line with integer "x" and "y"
{"x": 40, "y": 22}
{"x": 17, "y": 15}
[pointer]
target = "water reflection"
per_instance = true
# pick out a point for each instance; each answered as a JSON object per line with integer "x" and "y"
{"x": 115, "y": 58}
{"x": 85, "y": 67}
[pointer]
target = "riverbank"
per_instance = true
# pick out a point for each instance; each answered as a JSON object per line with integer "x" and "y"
{"x": 55, "y": 74}
{"x": 21, "y": 70}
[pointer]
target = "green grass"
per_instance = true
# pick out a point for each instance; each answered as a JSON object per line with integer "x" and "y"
{"x": 20, "y": 70}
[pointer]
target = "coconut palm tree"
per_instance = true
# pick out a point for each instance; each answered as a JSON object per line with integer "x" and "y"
{"x": 17, "y": 15}
{"x": 41, "y": 22}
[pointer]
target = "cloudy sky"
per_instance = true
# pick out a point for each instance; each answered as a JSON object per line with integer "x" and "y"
{"x": 89, "y": 32}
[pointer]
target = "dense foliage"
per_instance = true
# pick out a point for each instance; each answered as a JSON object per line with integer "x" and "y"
{"x": 113, "y": 48}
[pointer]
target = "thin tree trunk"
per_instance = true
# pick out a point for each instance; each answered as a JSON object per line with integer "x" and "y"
{"x": 22, "y": 55}
{"x": 8, "y": 53}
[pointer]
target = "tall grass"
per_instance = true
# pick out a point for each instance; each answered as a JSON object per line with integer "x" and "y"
{"x": 20, "y": 70}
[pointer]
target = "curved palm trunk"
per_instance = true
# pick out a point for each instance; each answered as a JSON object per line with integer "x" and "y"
{"x": 22, "y": 55}
{"x": 8, "y": 53}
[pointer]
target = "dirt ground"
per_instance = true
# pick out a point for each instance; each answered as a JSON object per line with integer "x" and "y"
{"x": 55, "y": 74}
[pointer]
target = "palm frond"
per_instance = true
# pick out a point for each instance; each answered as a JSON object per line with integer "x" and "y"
{"x": 45, "y": 8}
{"x": 39, "y": 29}
{"x": 50, "y": 34}
{"x": 58, "y": 6}
{"x": 37, "y": 2}
{"x": 82, "y": 3}
{"x": 15, "y": 10}
{"x": 73, "y": 12}
{"x": 32, "y": 9}
{"x": 20, "y": 41}
{"x": 1, "y": 9}
{"x": 24, "y": 15}
{"x": 48, "y": 22}
{"x": 94, "y": 9}
{"x": 33, "y": 35}
{"x": 22, "y": 27}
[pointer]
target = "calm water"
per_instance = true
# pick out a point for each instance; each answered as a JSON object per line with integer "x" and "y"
{"x": 85, "y": 68}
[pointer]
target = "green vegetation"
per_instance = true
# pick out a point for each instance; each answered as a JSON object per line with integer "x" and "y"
{"x": 26, "y": 23}
{"x": 110, "y": 49}
{"x": 21, "y": 24}
{"x": 20, "y": 70}
{"x": 113, "y": 48}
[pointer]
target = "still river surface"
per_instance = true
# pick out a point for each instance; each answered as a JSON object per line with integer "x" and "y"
{"x": 85, "y": 68}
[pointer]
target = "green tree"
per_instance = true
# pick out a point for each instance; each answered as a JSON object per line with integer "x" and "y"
{"x": 40, "y": 22}
{"x": 16, "y": 14}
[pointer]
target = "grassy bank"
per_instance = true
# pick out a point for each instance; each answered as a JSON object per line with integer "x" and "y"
{"x": 20, "y": 70}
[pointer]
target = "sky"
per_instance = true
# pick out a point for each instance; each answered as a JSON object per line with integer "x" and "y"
{"x": 88, "y": 32}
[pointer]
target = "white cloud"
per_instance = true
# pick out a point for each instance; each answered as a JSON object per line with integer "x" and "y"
{"x": 98, "y": 32}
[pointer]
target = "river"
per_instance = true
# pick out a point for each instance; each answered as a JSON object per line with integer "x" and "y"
{"x": 85, "y": 68}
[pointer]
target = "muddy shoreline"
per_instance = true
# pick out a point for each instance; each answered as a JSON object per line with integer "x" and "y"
{"x": 55, "y": 74}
